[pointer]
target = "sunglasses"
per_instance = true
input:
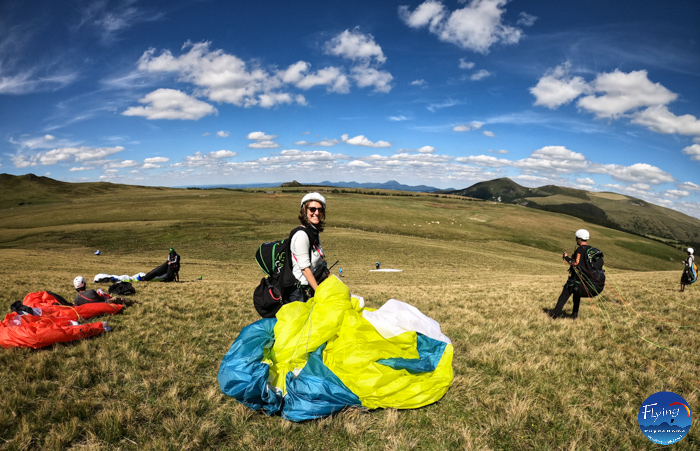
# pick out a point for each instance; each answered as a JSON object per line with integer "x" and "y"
{"x": 314, "y": 209}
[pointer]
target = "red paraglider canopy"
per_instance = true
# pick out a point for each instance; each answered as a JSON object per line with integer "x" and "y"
{"x": 56, "y": 323}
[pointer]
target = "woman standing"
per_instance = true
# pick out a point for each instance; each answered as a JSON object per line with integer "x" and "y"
{"x": 308, "y": 261}
{"x": 690, "y": 273}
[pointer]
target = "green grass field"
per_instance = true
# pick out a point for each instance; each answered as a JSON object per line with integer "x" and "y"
{"x": 483, "y": 270}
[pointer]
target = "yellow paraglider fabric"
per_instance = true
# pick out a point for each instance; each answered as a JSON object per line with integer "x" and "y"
{"x": 304, "y": 326}
{"x": 353, "y": 356}
{"x": 352, "y": 352}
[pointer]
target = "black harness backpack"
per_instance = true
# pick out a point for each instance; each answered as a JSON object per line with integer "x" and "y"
{"x": 588, "y": 278}
{"x": 121, "y": 289}
{"x": 274, "y": 258}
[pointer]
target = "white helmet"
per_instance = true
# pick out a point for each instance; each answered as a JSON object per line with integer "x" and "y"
{"x": 79, "y": 282}
{"x": 314, "y": 196}
{"x": 583, "y": 234}
{"x": 691, "y": 250}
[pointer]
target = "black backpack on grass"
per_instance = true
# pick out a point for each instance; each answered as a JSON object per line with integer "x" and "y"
{"x": 121, "y": 289}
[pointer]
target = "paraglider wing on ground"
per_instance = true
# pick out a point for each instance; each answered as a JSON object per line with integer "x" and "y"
{"x": 160, "y": 273}
{"x": 52, "y": 322}
{"x": 318, "y": 357}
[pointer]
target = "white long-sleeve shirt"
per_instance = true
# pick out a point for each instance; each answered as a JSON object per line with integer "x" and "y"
{"x": 300, "y": 256}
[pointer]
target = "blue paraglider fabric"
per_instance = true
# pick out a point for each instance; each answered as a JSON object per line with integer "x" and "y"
{"x": 316, "y": 392}
{"x": 430, "y": 352}
{"x": 242, "y": 374}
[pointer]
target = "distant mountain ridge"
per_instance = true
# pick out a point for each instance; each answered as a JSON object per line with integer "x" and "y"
{"x": 391, "y": 184}
{"x": 603, "y": 208}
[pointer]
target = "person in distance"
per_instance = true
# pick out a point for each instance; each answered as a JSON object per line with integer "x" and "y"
{"x": 690, "y": 273}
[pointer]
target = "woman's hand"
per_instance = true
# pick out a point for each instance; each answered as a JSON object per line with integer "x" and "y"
{"x": 310, "y": 278}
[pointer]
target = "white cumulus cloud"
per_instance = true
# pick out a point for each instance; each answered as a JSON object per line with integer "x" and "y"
{"x": 661, "y": 120}
{"x": 676, "y": 193}
{"x": 222, "y": 154}
{"x": 366, "y": 76}
{"x": 64, "y": 155}
{"x": 637, "y": 173}
{"x": 156, "y": 160}
{"x": 260, "y": 136}
{"x": 118, "y": 164}
{"x": 355, "y": 45}
{"x": 359, "y": 164}
{"x": 689, "y": 186}
{"x": 464, "y": 64}
{"x": 557, "y": 87}
{"x": 468, "y": 127}
{"x": 171, "y": 104}
{"x": 475, "y": 27}
{"x": 361, "y": 140}
{"x": 623, "y": 92}
{"x": 694, "y": 151}
{"x": 480, "y": 75}
{"x": 263, "y": 144}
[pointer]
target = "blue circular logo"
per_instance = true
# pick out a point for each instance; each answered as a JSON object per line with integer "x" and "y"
{"x": 665, "y": 418}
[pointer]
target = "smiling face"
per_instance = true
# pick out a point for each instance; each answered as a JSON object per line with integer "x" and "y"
{"x": 315, "y": 212}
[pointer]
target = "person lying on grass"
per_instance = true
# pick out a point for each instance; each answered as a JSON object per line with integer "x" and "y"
{"x": 85, "y": 296}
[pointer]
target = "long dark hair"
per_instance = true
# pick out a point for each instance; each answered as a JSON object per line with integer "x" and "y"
{"x": 304, "y": 220}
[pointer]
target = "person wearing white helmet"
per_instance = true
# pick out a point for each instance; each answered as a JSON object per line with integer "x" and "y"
{"x": 690, "y": 272}
{"x": 308, "y": 261}
{"x": 584, "y": 279}
{"x": 89, "y": 296}
{"x": 85, "y": 296}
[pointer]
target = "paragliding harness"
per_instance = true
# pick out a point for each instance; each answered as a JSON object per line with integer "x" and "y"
{"x": 587, "y": 279}
{"x": 275, "y": 259}
{"x": 690, "y": 273}
{"x": 20, "y": 308}
{"x": 121, "y": 288}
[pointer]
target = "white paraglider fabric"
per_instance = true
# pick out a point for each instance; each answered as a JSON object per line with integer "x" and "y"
{"x": 396, "y": 317}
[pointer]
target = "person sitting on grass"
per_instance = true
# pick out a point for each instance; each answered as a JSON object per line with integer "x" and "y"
{"x": 173, "y": 265}
{"x": 85, "y": 296}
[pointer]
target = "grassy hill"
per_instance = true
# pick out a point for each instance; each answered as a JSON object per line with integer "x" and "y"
{"x": 29, "y": 189}
{"x": 483, "y": 270}
{"x": 607, "y": 209}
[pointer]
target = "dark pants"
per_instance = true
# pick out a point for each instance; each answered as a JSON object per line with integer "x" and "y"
{"x": 300, "y": 294}
{"x": 566, "y": 292}
{"x": 172, "y": 272}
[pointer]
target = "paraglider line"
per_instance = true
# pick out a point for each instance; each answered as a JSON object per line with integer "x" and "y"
{"x": 603, "y": 301}
{"x": 665, "y": 298}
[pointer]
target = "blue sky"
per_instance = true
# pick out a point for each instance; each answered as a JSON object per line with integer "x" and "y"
{"x": 598, "y": 95}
